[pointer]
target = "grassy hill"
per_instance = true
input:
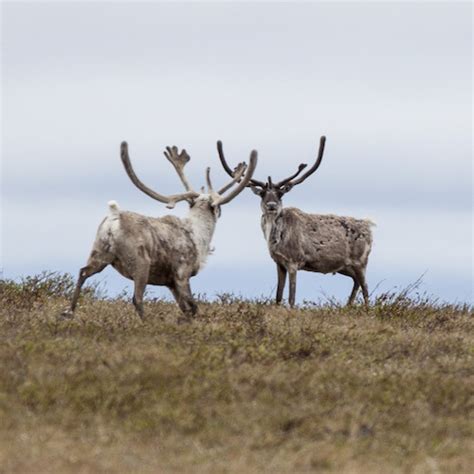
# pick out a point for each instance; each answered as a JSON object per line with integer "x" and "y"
{"x": 247, "y": 387}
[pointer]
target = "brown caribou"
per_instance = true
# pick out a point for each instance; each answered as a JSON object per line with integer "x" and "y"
{"x": 322, "y": 243}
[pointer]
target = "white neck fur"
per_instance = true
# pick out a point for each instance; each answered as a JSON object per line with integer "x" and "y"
{"x": 268, "y": 222}
{"x": 203, "y": 223}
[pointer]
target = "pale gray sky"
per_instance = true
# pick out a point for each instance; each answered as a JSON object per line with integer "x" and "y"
{"x": 388, "y": 84}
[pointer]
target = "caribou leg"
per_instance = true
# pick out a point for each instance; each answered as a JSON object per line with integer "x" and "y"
{"x": 292, "y": 297}
{"x": 360, "y": 275}
{"x": 92, "y": 267}
{"x": 140, "y": 280}
{"x": 355, "y": 288}
{"x": 354, "y": 291}
{"x": 182, "y": 293}
{"x": 281, "y": 282}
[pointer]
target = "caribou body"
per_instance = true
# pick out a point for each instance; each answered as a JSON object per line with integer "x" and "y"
{"x": 165, "y": 251}
{"x": 313, "y": 242}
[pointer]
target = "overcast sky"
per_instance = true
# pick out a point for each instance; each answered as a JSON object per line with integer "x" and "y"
{"x": 388, "y": 84}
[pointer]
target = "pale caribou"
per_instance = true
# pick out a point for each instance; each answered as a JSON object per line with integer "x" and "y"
{"x": 165, "y": 251}
{"x": 312, "y": 242}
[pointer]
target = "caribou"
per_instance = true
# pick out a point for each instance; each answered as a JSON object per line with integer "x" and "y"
{"x": 165, "y": 251}
{"x": 313, "y": 242}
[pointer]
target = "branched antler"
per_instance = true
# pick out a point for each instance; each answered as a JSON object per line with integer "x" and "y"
{"x": 242, "y": 181}
{"x": 322, "y": 143}
{"x": 169, "y": 200}
{"x": 286, "y": 184}
{"x": 238, "y": 172}
{"x": 227, "y": 168}
{"x": 179, "y": 160}
{"x": 281, "y": 183}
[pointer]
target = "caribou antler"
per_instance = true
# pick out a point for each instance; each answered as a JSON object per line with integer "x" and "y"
{"x": 208, "y": 181}
{"x": 281, "y": 183}
{"x": 239, "y": 171}
{"x": 322, "y": 143}
{"x": 169, "y": 200}
{"x": 219, "y": 199}
{"x": 285, "y": 182}
{"x": 179, "y": 160}
{"x": 227, "y": 168}
{"x": 238, "y": 177}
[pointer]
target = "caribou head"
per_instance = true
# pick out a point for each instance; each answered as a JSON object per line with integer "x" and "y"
{"x": 271, "y": 192}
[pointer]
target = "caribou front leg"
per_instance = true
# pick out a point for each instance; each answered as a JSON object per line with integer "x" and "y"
{"x": 292, "y": 296}
{"x": 281, "y": 282}
{"x": 182, "y": 292}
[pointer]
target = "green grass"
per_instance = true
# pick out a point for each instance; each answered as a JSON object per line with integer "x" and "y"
{"x": 247, "y": 387}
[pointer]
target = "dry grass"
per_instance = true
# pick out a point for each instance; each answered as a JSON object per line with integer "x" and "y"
{"x": 247, "y": 387}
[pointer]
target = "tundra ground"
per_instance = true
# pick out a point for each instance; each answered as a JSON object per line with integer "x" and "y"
{"x": 247, "y": 387}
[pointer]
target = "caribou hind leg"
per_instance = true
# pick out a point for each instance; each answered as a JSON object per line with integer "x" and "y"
{"x": 140, "y": 280}
{"x": 354, "y": 291}
{"x": 93, "y": 267}
{"x": 352, "y": 274}
{"x": 360, "y": 275}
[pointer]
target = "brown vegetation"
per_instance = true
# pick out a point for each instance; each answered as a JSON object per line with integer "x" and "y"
{"x": 246, "y": 387}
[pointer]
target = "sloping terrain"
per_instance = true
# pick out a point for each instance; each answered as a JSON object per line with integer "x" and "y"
{"x": 247, "y": 387}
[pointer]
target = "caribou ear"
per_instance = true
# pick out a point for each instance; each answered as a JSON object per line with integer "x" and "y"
{"x": 286, "y": 188}
{"x": 256, "y": 190}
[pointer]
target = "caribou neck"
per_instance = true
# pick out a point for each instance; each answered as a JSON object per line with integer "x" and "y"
{"x": 270, "y": 224}
{"x": 202, "y": 221}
